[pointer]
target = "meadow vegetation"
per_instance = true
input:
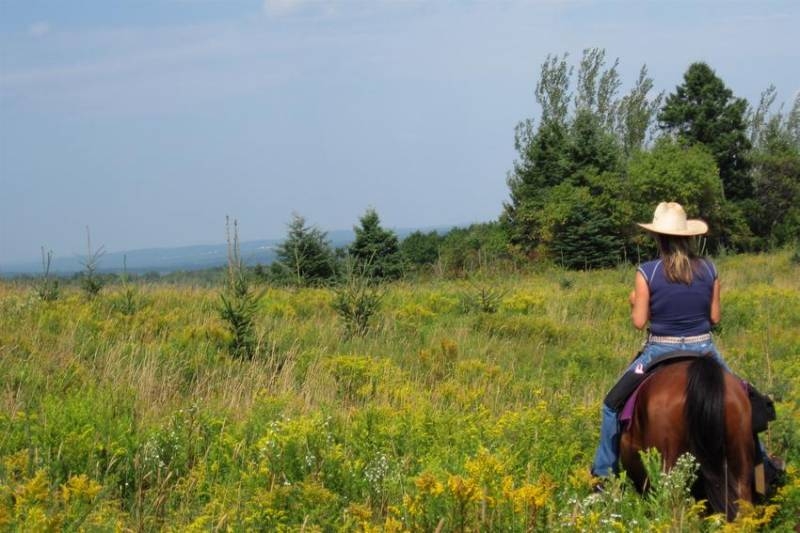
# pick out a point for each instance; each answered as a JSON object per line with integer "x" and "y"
{"x": 470, "y": 404}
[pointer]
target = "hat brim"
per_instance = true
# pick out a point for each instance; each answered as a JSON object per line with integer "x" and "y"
{"x": 693, "y": 227}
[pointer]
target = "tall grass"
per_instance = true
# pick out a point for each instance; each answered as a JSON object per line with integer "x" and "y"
{"x": 441, "y": 415}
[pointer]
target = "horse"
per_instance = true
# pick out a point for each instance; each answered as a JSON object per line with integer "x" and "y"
{"x": 698, "y": 407}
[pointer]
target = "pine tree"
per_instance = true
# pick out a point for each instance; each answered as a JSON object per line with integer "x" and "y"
{"x": 376, "y": 250}
{"x": 703, "y": 110}
{"x": 306, "y": 256}
{"x": 238, "y": 302}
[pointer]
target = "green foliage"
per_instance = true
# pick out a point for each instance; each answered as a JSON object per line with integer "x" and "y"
{"x": 703, "y": 110}
{"x": 238, "y": 302}
{"x": 420, "y": 249}
{"x": 591, "y": 149}
{"x": 91, "y": 281}
{"x": 375, "y": 249}
{"x": 482, "y": 298}
{"x": 600, "y": 148}
{"x": 567, "y": 186}
{"x": 357, "y": 299}
{"x": 671, "y": 490}
{"x": 636, "y": 113}
{"x": 687, "y": 175}
{"x": 128, "y": 302}
{"x": 47, "y": 287}
{"x": 581, "y": 231}
{"x": 773, "y": 213}
{"x": 473, "y": 248}
{"x": 305, "y": 257}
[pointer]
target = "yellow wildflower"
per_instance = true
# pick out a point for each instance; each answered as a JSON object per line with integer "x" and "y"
{"x": 392, "y": 525}
{"x": 80, "y": 487}
{"x": 464, "y": 490}
{"x": 428, "y": 484}
{"x": 35, "y": 490}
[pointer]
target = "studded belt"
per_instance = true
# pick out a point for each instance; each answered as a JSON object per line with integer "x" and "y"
{"x": 679, "y": 340}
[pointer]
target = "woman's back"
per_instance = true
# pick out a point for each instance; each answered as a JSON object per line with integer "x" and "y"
{"x": 679, "y": 309}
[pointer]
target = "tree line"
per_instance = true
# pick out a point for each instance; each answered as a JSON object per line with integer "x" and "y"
{"x": 594, "y": 163}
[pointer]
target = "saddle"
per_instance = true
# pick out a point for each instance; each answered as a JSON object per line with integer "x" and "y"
{"x": 762, "y": 406}
{"x": 630, "y": 380}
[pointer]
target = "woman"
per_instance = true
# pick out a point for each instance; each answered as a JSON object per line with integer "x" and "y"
{"x": 679, "y": 295}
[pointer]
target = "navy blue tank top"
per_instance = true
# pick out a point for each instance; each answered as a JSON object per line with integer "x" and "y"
{"x": 677, "y": 309}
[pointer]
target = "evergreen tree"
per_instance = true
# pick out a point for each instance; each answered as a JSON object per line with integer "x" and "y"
{"x": 376, "y": 250}
{"x": 91, "y": 282}
{"x": 703, "y": 110}
{"x": 586, "y": 236}
{"x": 591, "y": 148}
{"x": 420, "y": 249}
{"x": 238, "y": 303}
{"x": 568, "y": 146}
{"x": 305, "y": 257}
{"x": 545, "y": 163}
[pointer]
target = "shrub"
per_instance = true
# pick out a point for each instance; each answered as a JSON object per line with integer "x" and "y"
{"x": 357, "y": 300}
{"x": 238, "y": 303}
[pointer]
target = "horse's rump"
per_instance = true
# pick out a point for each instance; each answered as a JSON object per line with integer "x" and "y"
{"x": 696, "y": 407}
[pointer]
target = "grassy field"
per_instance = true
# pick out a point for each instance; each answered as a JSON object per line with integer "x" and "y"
{"x": 444, "y": 416}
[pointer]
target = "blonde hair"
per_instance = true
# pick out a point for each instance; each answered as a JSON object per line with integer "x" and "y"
{"x": 678, "y": 256}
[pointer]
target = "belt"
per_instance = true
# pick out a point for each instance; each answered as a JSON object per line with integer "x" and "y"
{"x": 679, "y": 340}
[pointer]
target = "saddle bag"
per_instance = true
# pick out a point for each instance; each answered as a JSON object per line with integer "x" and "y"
{"x": 763, "y": 408}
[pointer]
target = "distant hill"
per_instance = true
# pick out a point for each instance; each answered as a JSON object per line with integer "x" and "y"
{"x": 165, "y": 260}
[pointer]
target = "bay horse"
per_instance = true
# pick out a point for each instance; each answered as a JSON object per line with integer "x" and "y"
{"x": 695, "y": 406}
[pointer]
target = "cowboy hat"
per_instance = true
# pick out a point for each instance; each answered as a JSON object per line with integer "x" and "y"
{"x": 670, "y": 219}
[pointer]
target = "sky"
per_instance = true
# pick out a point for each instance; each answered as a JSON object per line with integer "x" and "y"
{"x": 150, "y": 121}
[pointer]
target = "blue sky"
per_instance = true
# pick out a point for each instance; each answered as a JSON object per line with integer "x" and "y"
{"x": 149, "y": 121}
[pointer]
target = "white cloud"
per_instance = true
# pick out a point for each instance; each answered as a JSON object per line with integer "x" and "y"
{"x": 39, "y": 29}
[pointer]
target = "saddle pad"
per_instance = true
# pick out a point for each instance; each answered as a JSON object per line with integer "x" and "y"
{"x": 626, "y": 414}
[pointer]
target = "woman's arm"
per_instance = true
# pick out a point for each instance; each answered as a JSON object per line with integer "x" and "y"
{"x": 716, "y": 311}
{"x": 640, "y": 302}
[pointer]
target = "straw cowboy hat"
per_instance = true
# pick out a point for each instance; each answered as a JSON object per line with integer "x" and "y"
{"x": 670, "y": 219}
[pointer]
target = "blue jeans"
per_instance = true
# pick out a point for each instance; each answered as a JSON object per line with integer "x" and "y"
{"x": 607, "y": 454}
